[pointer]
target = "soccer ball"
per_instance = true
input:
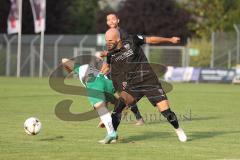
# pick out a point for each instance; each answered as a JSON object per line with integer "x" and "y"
{"x": 32, "y": 126}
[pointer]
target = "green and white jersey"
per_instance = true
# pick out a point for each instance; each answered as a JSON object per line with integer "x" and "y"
{"x": 97, "y": 85}
{"x": 86, "y": 73}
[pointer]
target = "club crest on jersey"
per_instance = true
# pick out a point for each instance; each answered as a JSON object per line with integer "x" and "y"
{"x": 124, "y": 85}
{"x": 127, "y": 46}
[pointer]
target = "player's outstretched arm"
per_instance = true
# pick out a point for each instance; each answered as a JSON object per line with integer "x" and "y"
{"x": 156, "y": 40}
{"x": 68, "y": 64}
{"x": 102, "y": 54}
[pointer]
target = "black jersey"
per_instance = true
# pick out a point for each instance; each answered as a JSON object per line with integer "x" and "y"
{"x": 129, "y": 64}
{"x": 124, "y": 38}
{"x": 123, "y": 35}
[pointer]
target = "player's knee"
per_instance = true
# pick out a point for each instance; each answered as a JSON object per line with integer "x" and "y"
{"x": 129, "y": 102}
{"x": 128, "y": 99}
{"x": 99, "y": 105}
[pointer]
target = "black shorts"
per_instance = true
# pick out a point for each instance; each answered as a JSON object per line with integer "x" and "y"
{"x": 153, "y": 91}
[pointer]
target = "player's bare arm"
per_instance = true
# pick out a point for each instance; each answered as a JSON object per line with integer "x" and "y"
{"x": 101, "y": 54}
{"x": 68, "y": 64}
{"x": 105, "y": 68}
{"x": 156, "y": 40}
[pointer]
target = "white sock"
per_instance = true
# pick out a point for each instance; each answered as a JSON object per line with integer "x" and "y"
{"x": 106, "y": 118}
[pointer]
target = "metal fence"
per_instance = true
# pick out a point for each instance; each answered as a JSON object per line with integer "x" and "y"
{"x": 225, "y": 48}
{"x": 59, "y": 46}
{"x": 225, "y": 51}
{"x": 55, "y": 47}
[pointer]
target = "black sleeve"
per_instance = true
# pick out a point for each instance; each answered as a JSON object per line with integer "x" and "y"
{"x": 109, "y": 58}
{"x": 123, "y": 34}
{"x": 139, "y": 40}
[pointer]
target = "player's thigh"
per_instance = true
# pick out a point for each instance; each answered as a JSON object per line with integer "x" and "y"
{"x": 155, "y": 95}
{"x": 95, "y": 91}
{"x": 109, "y": 86}
{"x": 130, "y": 98}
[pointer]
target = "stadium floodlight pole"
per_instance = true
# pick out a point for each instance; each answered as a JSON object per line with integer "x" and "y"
{"x": 19, "y": 40}
{"x": 238, "y": 42}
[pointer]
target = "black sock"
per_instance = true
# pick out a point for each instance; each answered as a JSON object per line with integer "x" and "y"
{"x": 117, "y": 113}
{"x": 171, "y": 117}
{"x": 116, "y": 119}
{"x": 136, "y": 112}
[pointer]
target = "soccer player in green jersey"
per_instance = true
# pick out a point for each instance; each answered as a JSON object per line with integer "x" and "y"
{"x": 97, "y": 85}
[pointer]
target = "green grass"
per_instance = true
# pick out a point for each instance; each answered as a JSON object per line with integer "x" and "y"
{"x": 214, "y": 131}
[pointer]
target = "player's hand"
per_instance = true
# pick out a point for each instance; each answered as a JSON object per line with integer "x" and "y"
{"x": 175, "y": 40}
{"x": 68, "y": 65}
{"x": 99, "y": 55}
{"x": 104, "y": 53}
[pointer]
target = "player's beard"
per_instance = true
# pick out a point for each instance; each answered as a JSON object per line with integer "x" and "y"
{"x": 113, "y": 46}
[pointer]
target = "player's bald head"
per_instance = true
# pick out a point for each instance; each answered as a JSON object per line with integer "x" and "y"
{"x": 112, "y": 34}
{"x": 112, "y": 38}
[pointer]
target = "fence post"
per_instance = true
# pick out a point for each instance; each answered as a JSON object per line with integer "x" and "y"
{"x": 32, "y": 55}
{"x": 56, "y": 50}
{"x": 229, "y": 59}
{"x": 186, "y": 51}
{"x": 81, "y": 43}
{"x": 213, "y": 50}
{"x": 146, "y": 51}
{"x": 238, "y": 42}
{"x": 75, "y": 52}
{"x": 8, "y": 53}
{"x": 183, "y": 59}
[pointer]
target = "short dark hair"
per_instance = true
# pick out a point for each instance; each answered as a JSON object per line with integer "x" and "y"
{"x": 113, "y": 13}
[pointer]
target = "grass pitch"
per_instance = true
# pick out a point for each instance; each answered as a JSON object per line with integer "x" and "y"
{"x": 209, "y": 113}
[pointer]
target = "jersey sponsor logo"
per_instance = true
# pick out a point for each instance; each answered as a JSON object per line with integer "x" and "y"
{"x": 126, "y": 54}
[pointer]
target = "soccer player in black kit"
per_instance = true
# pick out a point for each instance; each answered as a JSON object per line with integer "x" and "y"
{"x": 134, "y": 78}
{"x": 112, "y": 21}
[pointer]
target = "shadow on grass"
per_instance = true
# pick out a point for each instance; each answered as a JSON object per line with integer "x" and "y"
{"x": 203, "y": 135}
{"x": 52, "y": 138}
{"x": 145, "y": 136}
{"x": 182, "y": 120}
{"x": 192, "y": 136}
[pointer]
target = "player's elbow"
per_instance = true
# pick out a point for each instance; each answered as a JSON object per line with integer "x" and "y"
{"x": 148, "y": 40}
{"x": 64, "y": 60}
{"x": 152, "y": 40}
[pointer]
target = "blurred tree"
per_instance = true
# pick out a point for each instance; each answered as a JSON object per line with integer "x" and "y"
{"x": 4, "y": 9}
{"x": 82, "y": 17}
{"x": 212, "y": 15}
{"x": 110, "y": 4}
{"x": 151, "y": 17}
{"x": 204, "y": 47}
{"x": 62, "y": 17}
